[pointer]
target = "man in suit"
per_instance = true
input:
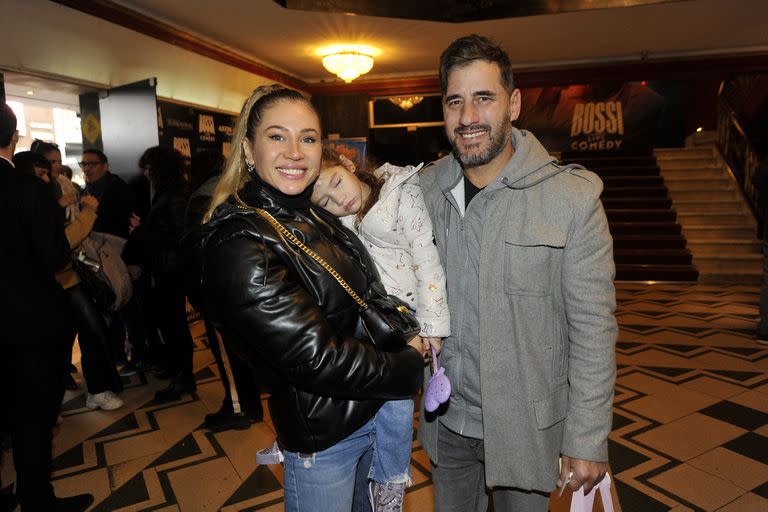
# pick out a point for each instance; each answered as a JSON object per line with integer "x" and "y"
{"x": 529, "y": 266}
{"x": 32, "y": 308}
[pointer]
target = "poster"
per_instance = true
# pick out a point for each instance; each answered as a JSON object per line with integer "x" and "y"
{"x": 352, "y": 148}
{"x": 627, "y": 117}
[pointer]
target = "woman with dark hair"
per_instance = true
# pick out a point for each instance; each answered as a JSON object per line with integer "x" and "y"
{"x": 276, "y": 304}
{"x": 102, "y": 380}
{"x": 154, "y": 245}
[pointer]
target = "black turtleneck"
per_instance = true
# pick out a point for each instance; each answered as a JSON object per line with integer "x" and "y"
{"x": 296, "y": 202}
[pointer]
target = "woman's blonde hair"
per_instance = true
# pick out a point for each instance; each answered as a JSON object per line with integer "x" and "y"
{"x": 235, "y": 176}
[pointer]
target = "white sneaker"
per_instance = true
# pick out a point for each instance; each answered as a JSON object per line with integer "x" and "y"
{"x": 107, "y": 401}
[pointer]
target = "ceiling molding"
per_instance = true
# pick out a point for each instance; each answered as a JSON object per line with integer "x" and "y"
{"x": 670, "y": 69}
{"x": 136, "y": 21}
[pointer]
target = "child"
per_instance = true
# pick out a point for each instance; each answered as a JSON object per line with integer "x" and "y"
{"x": 385, "y": 208}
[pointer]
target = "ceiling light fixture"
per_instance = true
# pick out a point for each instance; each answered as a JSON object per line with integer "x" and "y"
{"x": 348, "y": 65}
{"x": 406, "y": 102}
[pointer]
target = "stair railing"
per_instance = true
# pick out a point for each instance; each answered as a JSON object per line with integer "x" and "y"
{"x": 741, "y": 158}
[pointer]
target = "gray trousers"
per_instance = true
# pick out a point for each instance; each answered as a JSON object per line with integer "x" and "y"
{"x": 459, "y": 480}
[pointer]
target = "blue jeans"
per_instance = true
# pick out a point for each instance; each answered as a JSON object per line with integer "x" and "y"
{"x": 394, "y": 436}
{"x": 326, "y": 480}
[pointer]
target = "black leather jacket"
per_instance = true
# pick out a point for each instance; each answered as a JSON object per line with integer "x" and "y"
{"x": 273, "y": 304}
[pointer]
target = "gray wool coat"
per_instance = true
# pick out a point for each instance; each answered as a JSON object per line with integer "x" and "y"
{"x": 547, "y": 325}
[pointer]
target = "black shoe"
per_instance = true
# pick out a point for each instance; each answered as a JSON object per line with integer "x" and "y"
{"x": 69, "y": 383}
{"x": 174, "y": 391}
{"x": 76, "y": 503}
{"x": 226, "y": 419}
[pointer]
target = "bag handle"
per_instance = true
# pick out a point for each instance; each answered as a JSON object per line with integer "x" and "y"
{"x": 283, "y": 231}
{"x": 584, "y": 503}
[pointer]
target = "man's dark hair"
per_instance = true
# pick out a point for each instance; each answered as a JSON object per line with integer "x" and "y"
{"x": 99, "y": 153}
{"x": 7, "y": 125}
{"x": 27, "y": 161}
{"x": 165, "y": 167}
{"x": 468, "y": 49}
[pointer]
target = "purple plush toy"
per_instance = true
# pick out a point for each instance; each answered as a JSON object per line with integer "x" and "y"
{"x": 438, "y": 388}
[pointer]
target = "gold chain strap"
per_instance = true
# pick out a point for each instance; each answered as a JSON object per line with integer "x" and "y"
{"x": 312, "y": 254}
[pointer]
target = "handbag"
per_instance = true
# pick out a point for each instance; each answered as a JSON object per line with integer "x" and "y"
{"x": 385, "y": 320}
{"x": 584, "y": 503}
{"x": 438, "y": 388}
{"x": 94, "y": 282}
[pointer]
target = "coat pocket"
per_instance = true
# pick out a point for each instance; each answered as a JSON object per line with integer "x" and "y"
{"x": 531, "y": 256}
{"x": 552, "y": 409}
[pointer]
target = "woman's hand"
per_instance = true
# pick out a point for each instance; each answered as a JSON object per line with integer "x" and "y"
{"x": 134, "y": 222}
{"x": 419, "y": 344}
{"x": 89, "y": 202}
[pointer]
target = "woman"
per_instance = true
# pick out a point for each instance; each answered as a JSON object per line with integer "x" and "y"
{"x": 274, "y": 304}
{"x": 154, "y": 244}
{"x": 101, "y": 378}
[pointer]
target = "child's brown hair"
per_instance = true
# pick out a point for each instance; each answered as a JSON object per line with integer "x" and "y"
{"x": 332, "y": 158}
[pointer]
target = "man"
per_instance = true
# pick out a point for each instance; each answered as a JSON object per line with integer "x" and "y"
{"x": 115, "y": 196}
{"x": 529, "y": 267}
{"x": 32, "y": 306}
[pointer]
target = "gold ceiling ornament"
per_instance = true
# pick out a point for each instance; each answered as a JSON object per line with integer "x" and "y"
{"x": 348, "y": 65}
{"x": 406, "y": 102}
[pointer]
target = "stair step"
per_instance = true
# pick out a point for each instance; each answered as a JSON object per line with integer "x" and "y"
{"x": 653, "y": 256}
{"x": 609, "y": 161}
{"x": 626, "y": 171}
{"x": 641, "y": 215}
{"x": 716, "y": 218}
{"x": 695, "y": 205}
{"x": 636, "y": 192}
{"x": 646, "y": 242}
{"x": 678, "y": 153}
{"x": 725, "y": 245}
{"x": 699, "y": 172}
{"x": 740, "y": 264}
{"x": 728, "y": 194}
{"x": 688, "y": 163}
{"x": 718, "y": 231}
{"x": 632, "y": 181}
{"x": 633, "y": 203}
{"x": 647, "y": 228}
{"x": 698, "y": 183}
{"x": 635, "y": 272}
{"x": 699, "y": 139}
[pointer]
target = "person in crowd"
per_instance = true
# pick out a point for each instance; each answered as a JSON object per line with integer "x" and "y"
{"x": 115, "y": 197}
{"x": 274, "y": 304}
{"x": 385, "y": 208}
{"x": 31, "y": 350}
{"x": 154, "y": 245}
{"x": 66, "y": 193}
{"x": 529, "y": 267}
{"x": 204, "y": 175}
{"x": 86, "y": 321}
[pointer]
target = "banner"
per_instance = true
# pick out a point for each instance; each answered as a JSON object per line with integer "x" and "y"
{"x": 605, "y": 117}
{"x": 192, "y": 130}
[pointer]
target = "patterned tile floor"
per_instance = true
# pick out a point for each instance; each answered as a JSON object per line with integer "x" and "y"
{"x": 690, "y": 423}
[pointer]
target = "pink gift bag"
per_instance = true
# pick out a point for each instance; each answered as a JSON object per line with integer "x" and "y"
{"x": 582, "y": 503}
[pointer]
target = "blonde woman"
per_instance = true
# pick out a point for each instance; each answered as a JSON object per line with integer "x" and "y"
{"x": 277, "y": 306}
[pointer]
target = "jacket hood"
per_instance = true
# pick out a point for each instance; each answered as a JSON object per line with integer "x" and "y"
{"x": 530, "y": 165}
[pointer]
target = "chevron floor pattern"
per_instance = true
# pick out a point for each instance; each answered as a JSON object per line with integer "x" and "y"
{"x": 690, "y": 426}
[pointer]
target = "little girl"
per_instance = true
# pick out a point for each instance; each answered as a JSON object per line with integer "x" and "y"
{"x": 385, "y": 208}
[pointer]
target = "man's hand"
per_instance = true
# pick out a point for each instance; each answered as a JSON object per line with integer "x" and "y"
{"x": 134, "y": 222}
{"x": 585, "y": 472}
{"x": 67, "y": 199}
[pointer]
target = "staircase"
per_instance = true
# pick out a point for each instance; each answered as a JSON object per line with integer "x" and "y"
{"x": 716, "y": 221}
{"x": 648, "y": 241}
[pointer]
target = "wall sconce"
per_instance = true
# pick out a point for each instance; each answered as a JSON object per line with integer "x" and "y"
{"x": 348, "y": 65}
{"x": 406, "y": 102}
